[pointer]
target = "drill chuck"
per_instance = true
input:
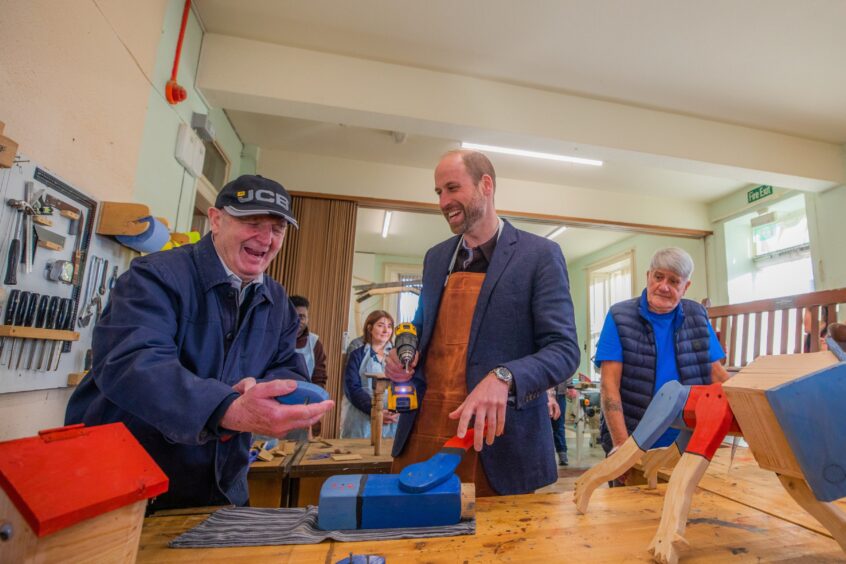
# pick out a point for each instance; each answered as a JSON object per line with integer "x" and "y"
{"x": 406, "y": 343}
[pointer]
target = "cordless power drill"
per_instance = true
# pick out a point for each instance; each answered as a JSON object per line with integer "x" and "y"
{"x": 402, "y": 396}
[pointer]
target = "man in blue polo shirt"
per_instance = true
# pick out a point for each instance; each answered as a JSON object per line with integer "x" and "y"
{"x": 652, "y": 339}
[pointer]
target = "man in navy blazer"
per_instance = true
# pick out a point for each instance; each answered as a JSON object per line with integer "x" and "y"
{"x": 521, "y": 341}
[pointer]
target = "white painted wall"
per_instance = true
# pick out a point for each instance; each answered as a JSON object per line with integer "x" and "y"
{"x": 73, "y": 94}
{"x": 74, "y": 86}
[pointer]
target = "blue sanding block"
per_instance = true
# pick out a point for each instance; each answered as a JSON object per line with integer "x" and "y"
{"x": 375, "y": 501}
{"x": 305, "y": 394}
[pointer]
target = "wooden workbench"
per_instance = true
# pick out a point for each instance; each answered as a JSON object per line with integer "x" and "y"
{"x": 313, "y": 464}
{"x": 546, "y": 527}
{"x": 743, "y": 481}
{"x": 268, "y": 481}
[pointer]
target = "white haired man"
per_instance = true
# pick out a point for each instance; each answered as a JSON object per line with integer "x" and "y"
{"x": 650, "y": 340}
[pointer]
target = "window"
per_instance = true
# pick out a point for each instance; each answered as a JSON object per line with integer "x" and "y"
{"x": 215, "y": 165}
{"x": 768, "y": 252}
{"x": 609, "y": 282}
{"x": 402, "y": 305}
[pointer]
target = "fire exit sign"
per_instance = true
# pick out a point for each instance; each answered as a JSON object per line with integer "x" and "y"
{"x": 756, "y": 194}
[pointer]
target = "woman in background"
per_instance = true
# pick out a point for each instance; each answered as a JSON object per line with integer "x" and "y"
{"x": 358, "y": 388}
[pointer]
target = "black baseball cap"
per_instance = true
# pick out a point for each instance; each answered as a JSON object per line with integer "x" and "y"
{"x": 255, "y": 195}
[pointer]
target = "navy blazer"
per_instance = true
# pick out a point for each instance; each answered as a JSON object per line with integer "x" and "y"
{"x": 523, "y": 321}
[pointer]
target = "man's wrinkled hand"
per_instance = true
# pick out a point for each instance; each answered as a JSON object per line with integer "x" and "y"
{"x": 395, "y": 370}
{"x": 487, "y": 404}
{"x": 244, "y": 385}
{"x": 257, "y": 411}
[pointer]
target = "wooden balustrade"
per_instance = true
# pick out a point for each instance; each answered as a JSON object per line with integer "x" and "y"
{"x": 774, "y": 326}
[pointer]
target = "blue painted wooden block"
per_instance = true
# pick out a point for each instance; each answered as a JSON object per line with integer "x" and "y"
{"x": 305, "y": 393}
{"x": 339, "y": 498}
{"x": 664, "y": 409}
{"x": 812, "y": 413}
{"x": 375, "y": 501}
{"x": 423, "y": 476}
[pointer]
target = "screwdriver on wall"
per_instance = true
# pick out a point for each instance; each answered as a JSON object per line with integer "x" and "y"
{"x": 20, "y": 314}
{"x": 49, "y": 323}
{"x": 64, "y": 324}
{"x": 40, "y": 318}
{"x": 28, "y": 321}
{"x": 14, "y": 247}
{"x": 9, "y": 318}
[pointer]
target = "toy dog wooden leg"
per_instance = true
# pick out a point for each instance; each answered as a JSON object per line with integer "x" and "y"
{"x": 669, "y": 540}
{"x": 658, "y": 458}
{"x": 829, "y": 515}
{"x": 665, "y": 409}
{"x": 707, "y": 411}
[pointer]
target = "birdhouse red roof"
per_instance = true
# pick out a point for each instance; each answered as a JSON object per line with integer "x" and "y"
{"x": 70, "y": 474}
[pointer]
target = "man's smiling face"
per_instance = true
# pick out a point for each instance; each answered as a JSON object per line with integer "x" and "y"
{"x": 462, "y": 202}
{"x": 248, "y": 244}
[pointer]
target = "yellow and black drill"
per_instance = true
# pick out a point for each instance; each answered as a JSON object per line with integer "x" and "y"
{"x": 402, "y": 396}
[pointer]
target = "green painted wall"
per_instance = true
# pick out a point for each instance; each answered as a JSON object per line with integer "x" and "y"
{"x": 160, "y": 181}
{"x": 825, "y": 219}
{"x": 644, "y": 247}
{"x": 826, "y": 213}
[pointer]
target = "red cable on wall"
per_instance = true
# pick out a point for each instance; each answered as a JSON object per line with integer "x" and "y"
{"x": 173, "y": 91}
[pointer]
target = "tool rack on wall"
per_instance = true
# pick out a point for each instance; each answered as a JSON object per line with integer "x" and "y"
{"x": 52, "y": 300}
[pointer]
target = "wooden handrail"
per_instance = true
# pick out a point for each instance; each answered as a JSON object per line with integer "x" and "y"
{"x": 734, "y": 324}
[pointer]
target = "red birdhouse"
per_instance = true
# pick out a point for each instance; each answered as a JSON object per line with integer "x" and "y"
{"x": 75, "y": 493}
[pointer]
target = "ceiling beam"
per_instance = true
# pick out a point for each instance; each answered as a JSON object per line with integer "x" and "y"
{"x": 273, "y": 79}
{"x": 569, "y": 221}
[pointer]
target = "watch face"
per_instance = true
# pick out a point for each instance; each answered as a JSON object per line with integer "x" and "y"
{"x": 503, "y": 374}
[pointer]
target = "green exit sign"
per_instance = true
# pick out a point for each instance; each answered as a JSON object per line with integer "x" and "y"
{"x": 756, "y": 194}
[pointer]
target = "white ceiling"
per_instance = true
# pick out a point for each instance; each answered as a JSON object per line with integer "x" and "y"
{"x": 771, "y": 64}
{"x": 776, "y": 65}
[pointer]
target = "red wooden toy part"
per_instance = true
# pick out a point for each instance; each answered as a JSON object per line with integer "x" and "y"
{"x": 708, "y": 413}
{"x": 71, "y": 474}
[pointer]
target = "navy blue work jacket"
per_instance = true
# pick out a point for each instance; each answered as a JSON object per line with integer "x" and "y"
{"x": 167, "y": 351}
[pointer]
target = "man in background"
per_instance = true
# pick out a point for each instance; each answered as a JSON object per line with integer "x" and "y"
{"x": 309, "y": 344}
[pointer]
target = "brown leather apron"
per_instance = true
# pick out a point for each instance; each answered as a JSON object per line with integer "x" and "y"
{"x": 446, "y": 379}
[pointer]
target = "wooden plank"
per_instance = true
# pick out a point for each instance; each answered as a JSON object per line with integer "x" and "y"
{"x": 722, "y": 334}
{"x": 744, "y": 351}
{"x": 770, "y": 331}
{"x": 35, "y": 333}
{"x": 757, "y": 347}
{"x": 797, "y": 334}
{"x": 109, "y": 537}
{"x": 785, "y": 326}
{"x": 733, "y": 340}
{"x": 799, "y": 300}
{"x": 815, "y": 328}
{"x": 8, "y": 150}
{"x": 538, "y": 527}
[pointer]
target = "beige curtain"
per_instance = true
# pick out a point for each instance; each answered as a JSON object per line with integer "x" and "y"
{"x": 316, "y": 262}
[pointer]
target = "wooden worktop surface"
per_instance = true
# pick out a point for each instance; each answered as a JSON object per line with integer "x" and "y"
{"x": 743, "y": 481}
{"x": 315, "y": 459}
{"x": 545, "y": 527}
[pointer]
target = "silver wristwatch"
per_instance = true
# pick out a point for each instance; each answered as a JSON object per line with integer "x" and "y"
{"x": 504, "y": 375}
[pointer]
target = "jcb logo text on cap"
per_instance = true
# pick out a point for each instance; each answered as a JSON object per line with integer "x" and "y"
{"x": 266, "y": 196}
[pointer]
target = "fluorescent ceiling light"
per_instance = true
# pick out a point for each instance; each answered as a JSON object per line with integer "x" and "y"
{"x": 558, "y": 231}
{"x": 386, "y": 223}
{"x": 532, "y": 154}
